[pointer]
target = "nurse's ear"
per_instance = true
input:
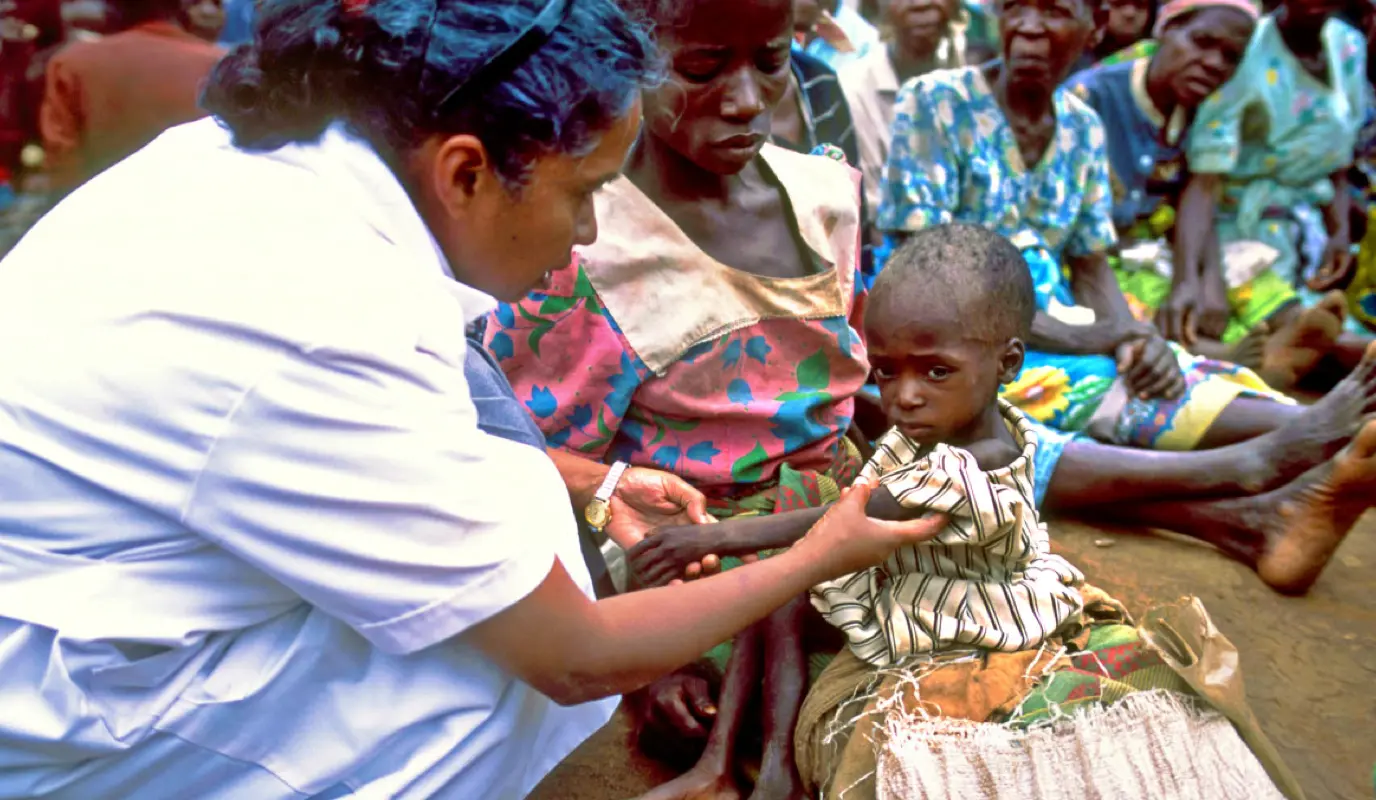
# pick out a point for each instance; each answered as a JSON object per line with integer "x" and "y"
{"x": 460, "y": 171}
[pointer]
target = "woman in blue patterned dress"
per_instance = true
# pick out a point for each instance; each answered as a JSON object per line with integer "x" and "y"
{"x": 1005, "y": 147}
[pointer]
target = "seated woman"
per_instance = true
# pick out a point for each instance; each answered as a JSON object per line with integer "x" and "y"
{"x": 1147, "y": 103}
{"x": 1268, "y": 151}
{"x": 1003, "y": 146}
{"x": 709, "y": 332}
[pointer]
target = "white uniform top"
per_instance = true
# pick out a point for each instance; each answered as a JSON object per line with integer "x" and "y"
{"x": 245, "y": 507}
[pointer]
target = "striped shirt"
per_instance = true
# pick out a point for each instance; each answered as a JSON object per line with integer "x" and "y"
{"x": 988, "y": 580}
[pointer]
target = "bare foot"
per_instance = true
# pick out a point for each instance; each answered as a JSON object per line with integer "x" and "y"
{"x": 778, "y": 781}
{"x": 1320, "y": 432}
{"x": 1311, "y": 516}
{"x": 1297, "y": 347}
{"x": 706, "y": 781}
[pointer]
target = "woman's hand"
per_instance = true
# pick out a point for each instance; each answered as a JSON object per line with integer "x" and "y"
{"x": 1179, "y": 316}
{"x": 847, "y": 540}
{"x": 646, "y": 499}
{"x": 1214, "y": 308}
{"x": 1149, "y": 368}
{"x": 1338, "y": 265}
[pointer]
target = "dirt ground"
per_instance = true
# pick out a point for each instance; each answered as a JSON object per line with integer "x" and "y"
{"x": 1309, "y": 663}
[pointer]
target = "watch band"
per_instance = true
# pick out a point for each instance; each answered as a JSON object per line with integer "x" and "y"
{"x": 604, "y": 492}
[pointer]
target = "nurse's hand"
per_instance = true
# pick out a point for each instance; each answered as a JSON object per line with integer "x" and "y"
{"x": 848, "y": 540}
{"x": 646, "y": 499}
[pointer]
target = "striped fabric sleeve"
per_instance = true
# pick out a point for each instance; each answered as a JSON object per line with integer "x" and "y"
{"x": 949, "y": 481}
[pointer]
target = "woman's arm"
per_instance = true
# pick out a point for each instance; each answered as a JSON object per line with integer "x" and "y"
{"x": 644, "y": 499}
{"x": 1094, "y": 286}
{"x": 575, "y": 650}
{"x": 1338, "y": 260}
{"x": 1198, "y": 265}
{"x": 582, "y": 475}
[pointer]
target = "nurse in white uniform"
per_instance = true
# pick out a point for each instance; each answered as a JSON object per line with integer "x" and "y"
{"x": 253, "y": 541}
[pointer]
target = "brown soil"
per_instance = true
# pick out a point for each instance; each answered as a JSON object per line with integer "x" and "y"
{"x": 1309, "y": 662}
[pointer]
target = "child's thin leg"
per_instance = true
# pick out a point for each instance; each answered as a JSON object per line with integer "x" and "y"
{"x": 713, "y": 778}
{"x": 785, "y": 682}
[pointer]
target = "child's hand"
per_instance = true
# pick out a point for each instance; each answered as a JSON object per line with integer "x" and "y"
{"x": 846, "y": 540}
{"x": 675, "y": 553}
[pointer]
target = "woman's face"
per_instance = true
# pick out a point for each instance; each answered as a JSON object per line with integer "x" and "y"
{"x": 1042, "y": 39}
{"x": 919, "y": 24}
{"x": 1308, "y": 14}
{"x": 506, "y": 243}
{"x": 728, "y": 69}
{"x": 205, "y": 18}
{"x": 1200, "y": 52}
{"x": 1127, "y": 21}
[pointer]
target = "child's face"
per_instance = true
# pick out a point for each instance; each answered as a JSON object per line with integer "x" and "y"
{"x": 936, "y": 383}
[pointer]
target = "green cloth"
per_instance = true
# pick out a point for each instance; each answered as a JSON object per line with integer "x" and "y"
{"x": 1114, "y": 664}
{"x": 1252, "y": 303}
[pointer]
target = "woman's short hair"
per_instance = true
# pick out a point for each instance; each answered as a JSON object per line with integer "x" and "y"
{"x": 383, "y": 66}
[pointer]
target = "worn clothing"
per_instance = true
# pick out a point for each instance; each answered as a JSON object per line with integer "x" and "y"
{"x": 1148, "y": 172}
{"x": 107, "y": 98}
{"x": 988, "y": 580}
{"x": 249, "y": 506}
{"x": 1276, "y": 133}
{"x": 955, "y": 158}
{"x": 871, "y": 88}
{"x": 1145, "y": 154}
{"x": 648, "y": 350}
{"x": 826, "y": 118}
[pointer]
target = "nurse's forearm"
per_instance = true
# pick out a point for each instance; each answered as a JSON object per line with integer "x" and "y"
{"x": 574, "y": 650}
{"x": 581, "y": 475}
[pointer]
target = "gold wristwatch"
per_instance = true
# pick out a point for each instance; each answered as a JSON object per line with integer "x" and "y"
{"x": 599, "y": 511}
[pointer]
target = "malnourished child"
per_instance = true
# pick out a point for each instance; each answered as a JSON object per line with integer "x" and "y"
{"x": 945, "y": 328}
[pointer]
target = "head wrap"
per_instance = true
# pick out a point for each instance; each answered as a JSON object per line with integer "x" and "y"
{"x": 1177, "y": 8}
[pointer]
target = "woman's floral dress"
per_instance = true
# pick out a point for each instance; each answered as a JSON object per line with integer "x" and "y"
{"x": 955, "y": 159}
{"x": 1277, "y": 133}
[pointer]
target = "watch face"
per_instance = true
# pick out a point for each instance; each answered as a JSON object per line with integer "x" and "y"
{"x": 598, "y": 514}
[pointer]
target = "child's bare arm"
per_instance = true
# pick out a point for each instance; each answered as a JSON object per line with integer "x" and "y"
{"x": 992, "y": 454}
{"x": 666, "y": 552}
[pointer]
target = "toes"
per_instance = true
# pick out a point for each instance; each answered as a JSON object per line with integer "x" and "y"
{"x": 1363, "y": 445}
{"x": 1335, "y": 303}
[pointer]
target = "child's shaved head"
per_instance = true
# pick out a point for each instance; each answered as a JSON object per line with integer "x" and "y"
{"x": 974, "y": 273}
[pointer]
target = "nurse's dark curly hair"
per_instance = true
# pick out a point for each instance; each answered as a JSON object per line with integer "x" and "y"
{"x": 382, "y": 66}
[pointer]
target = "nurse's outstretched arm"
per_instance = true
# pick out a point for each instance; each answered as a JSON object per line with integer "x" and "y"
{"x": 575, "y": 650}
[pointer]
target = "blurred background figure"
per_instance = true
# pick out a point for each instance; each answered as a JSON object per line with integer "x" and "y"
{"x": 204, "y": 18}
{"x": 832, "y": 31}
{"x": 107, "y": 98}
{"x": 27, "y": 27}
{"x": 919, "y": 37}
{"x": 238, "y": 23}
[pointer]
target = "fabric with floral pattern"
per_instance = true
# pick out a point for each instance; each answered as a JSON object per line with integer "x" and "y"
{"x": 1276, "y": 133}
{"x": 649, "y": 351}
{"x": 955, "y": 159}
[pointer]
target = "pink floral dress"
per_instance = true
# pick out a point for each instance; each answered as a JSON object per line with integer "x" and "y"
{"x": 649, "y": 351}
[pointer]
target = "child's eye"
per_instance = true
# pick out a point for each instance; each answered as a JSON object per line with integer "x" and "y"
{"x": 938, "y": 373}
